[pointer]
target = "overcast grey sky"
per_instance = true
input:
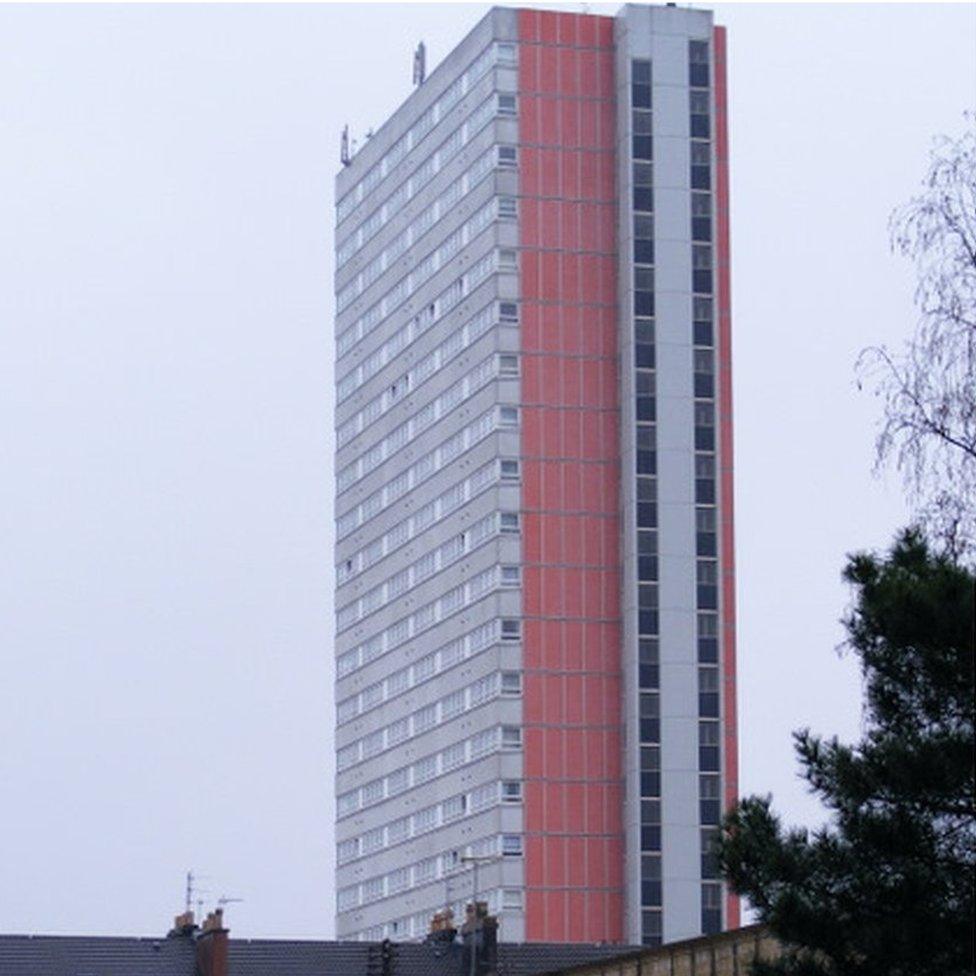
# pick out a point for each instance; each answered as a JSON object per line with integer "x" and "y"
{"x": 166, "y": 395}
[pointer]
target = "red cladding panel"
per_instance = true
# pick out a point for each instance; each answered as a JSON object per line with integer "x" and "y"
{"x": 571, "y": 650}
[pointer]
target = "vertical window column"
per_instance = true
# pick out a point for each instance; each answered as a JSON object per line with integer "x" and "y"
{"x": 703, "y": 338}
{"x": 645, "y": 436}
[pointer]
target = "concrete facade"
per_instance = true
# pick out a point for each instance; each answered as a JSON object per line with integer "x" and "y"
{"x": 528, "y": 499}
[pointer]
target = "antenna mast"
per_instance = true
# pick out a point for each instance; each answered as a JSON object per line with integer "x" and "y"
{"x": 420, "y": 64}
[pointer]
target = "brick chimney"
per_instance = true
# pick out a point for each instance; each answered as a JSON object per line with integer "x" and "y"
{"x": 479, "y": 934}
{"x": 183, "y": 925}
{"x": 211, "y": 946}
{"x": 442, "y": 930}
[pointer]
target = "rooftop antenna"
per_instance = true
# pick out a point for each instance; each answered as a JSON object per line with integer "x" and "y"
{"x": 227, "y": 900}
{"x": 344, "y": 153}
{"x": 420, "y": 64}
{"x": 189, "y": 890}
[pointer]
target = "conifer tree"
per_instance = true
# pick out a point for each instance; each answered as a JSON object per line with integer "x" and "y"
{"x": 886, "y": 887}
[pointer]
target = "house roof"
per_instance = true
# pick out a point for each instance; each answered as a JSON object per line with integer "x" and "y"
{"x": 53, "y": 955}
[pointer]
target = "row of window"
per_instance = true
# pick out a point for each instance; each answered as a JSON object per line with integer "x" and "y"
{"x": 425, "y": 418}
{"x": 425, "y": 171}
{"x": 427, "y": 768}
{"x": 498, "y": 53}
{"x": 423, "y": 872}
{"x": 396, "y": 296}
{"x": 447, "y": 300}
{"x": 426, "y": 516}
{"x": 430, "y": 818}
{"x": 419, "y": 274}
{"x": 422, "y": 271}
{"x": 446, "y": 605}
{"x": 426, "y": 467}
{"x": 421, "y": 671}
{"x": 378, "y": 645}
{"x": 411, "y": 380}
{"x": 458, "y": 702}
{"x": 418, "y": 571}
{"x": 416, "y": 926}
{"x": 443, "y": 206}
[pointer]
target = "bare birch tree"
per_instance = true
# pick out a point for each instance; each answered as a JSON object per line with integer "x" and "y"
{"x": 928, "y": 390}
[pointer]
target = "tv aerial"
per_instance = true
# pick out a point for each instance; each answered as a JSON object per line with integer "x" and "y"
{"x": 420, "y": 64}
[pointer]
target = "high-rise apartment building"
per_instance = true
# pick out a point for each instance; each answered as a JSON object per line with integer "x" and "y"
{"x": 535, "y": 591}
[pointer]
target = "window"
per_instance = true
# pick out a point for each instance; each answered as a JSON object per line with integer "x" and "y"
{"x": 701, "y": 255}
{"x": 453, "y": 756}
{"x": 651, "y": 927}
{"x": 512, "y": 845}
{"x": 397, "y": 732}
{"x": 506, "y": 105}
{"x": 511, "y": 791}
{"x": 424, "y": 567}
{"x": 511, "y": 575}
{"x": 511, "y": 683}
{"x": 507, "y": 156}
{"x": 453, "y": 808}
{"x": 512, "y": 899}
{"x": 424, "y": 820}
{"x": 509, "y": 470}
{"x": 707, "y": 571}
{"x": 424, "y": 770}
{"x": 708, "y": 692}
{"x": 709, "y": 799}
{"x": 483, "y": 797}
{"x": 700, "y": 127}
{"x": 642, "y": 123}
{"x": 708, "y": 755}
{"x": 372, "y": 840}
{"x": 640, "y": 94}
{"x": 347, "y": 850}
{"x": 452, "y": 705}
{"x": 509, "y": 521}
{"x": 511, "y": 629}
{"x": 508, "y": 364}
{"x": 711, "y": 908}
{"x": 451, "y": 549}
{"x": 483, "y": 689}
{"x": 507, "y": 207}
{"x": 511, "y": 737}
{"x": 424, "y": 719}
{"x": 372, "y": 890}
{"x": 397, "y": 782}
{"x": 450, "y": 654}
{"x": 506, "y": 53}
{"x": 705, "y": 519}
{"x": 347, "y": 710}
{"x": 399, "y": 583}
{"x": 482, "y": 743}
{"x": 346, "y": 757}
{"x": 373, "y": 792}
{"x": 642, "y": 148}
{"x": 397, "y": 683}
{"x": 650, "y": 725}
{"x": 508, "y": 416}
{"x": 425, "y": 870}
{"x": 508, "y": 312}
